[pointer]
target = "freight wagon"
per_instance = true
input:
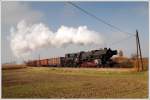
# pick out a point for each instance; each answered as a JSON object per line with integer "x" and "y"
{"x": 32, "y": 63}
{"x": 54, "y": 62}
{"x": 43, "y": 62}
{"x": 59, "y": 61}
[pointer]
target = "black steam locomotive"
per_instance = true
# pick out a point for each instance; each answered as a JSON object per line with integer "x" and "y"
{"x": 94, "y": 58}
{"x": 91, "y": 58}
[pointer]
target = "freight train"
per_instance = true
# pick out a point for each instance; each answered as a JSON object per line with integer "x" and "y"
{"x": 94, "y": 58}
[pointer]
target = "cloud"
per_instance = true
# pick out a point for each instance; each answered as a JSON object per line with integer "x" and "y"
{"x": 13, "y": 12}
{"x": 26, "y": 38}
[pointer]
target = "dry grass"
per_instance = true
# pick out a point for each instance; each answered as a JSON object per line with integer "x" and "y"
{"x": 12, "y": 66}
{"x": 43, "y": 82}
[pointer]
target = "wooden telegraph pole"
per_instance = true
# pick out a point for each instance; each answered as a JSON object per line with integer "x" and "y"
{"x": 39, "y": 60}
{"x": 139, "y": 66}
{"x": 137, "y": 55}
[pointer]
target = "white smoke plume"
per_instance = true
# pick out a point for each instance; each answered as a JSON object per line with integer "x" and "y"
{"x": 27, "y": 38}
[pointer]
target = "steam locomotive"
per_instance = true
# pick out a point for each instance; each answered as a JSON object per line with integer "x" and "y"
{"x": 94, "y": 58}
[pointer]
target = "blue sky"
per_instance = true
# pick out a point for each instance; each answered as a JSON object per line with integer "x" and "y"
{"x": 128, "y": 16}
{"x": 120, "y": 14}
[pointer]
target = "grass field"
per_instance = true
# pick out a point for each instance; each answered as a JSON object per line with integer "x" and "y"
{"x": 44, "y": 82}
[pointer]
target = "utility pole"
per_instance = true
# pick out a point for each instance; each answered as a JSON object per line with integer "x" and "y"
{"x": 139, "y": 51}
{"x": 39, "y": 60}
{"x": 137, "y": 55}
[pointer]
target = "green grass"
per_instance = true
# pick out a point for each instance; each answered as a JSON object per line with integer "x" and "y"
{"x": 43, "y": 82}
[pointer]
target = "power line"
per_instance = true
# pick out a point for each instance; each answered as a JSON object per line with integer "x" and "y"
{"x": 119, "y": 41}
{"x": 99, "y": 19}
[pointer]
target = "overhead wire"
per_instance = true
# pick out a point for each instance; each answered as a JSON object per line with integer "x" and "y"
{"x": 121, "y": 40}
{"x": 99, "y": 19}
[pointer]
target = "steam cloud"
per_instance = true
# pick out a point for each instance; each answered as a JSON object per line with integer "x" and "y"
{"x": 27, "y": 38}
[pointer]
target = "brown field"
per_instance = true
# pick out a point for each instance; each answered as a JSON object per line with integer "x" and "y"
{"x": 44, "y": 82}
{"x": 12, "y": 66}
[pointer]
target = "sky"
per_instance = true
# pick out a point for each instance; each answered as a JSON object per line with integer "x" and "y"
{"x": 128, "y": 16}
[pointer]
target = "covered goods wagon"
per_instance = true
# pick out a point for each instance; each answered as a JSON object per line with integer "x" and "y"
{"x": 56, "y": 62}
{"x": 43, "y": 62}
